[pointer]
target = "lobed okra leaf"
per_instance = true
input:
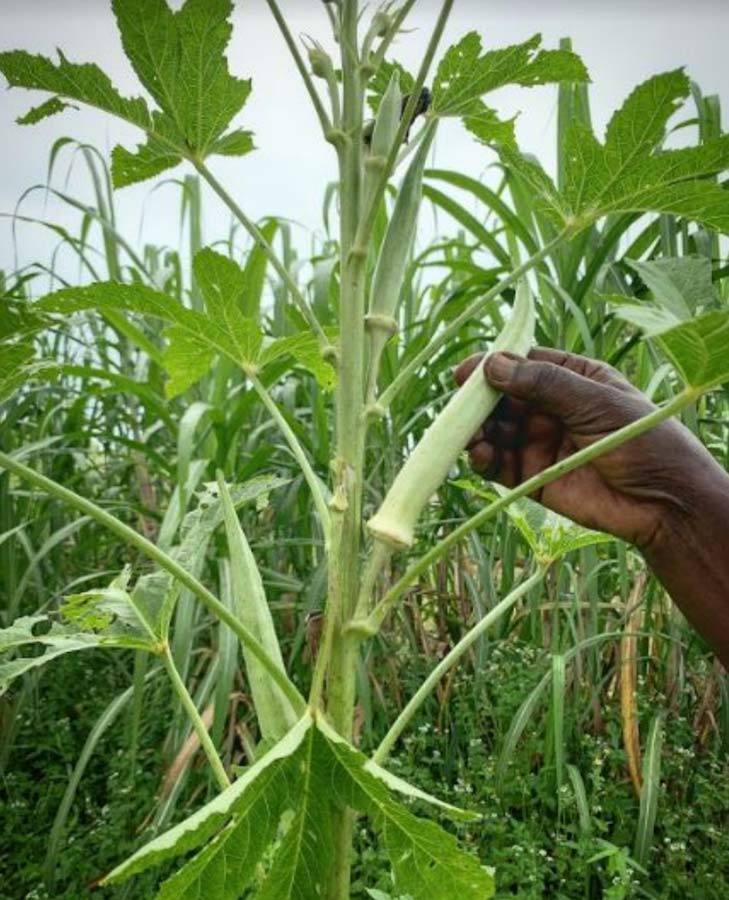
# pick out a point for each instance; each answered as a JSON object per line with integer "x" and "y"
{"x": 179, "y": 57}
{"x": 630, "y": 172}
{"x": 194, "y": 338}
{"x": 292, "y": 790}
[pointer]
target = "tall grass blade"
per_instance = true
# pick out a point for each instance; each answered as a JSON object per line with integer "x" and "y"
{"x": 650, "y": 792}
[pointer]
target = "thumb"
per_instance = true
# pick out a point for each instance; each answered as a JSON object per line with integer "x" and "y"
{"x": 585, "y": 406}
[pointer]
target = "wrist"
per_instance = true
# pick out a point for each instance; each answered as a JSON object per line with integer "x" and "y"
{"x": 689, "y": 556}
{"x": 696, "y": 521}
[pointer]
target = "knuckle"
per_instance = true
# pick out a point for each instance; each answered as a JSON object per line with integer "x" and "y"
{"x": 545, "y": 381}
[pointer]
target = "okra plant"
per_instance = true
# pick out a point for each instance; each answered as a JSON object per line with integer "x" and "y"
{"x": 284, "y": 827}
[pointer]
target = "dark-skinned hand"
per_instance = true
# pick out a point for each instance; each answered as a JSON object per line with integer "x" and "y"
{"x": 662, "y": 491}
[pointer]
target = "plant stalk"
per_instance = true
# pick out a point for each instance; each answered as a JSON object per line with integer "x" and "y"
{"x": 450, "y": 660}
{"x": 188, "y": 705}
{"x": 255, "y": 232}
{"x": 338, "y": 654}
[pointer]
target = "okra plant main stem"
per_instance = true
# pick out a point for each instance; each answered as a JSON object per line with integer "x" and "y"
{"x": 688, "y": 396}
{"x": 338, "y": 653}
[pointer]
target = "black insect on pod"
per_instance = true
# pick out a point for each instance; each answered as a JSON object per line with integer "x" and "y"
{"x": 424, "y": 103}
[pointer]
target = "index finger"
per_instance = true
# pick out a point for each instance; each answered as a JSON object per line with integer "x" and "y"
{"x": 593, "y": 369}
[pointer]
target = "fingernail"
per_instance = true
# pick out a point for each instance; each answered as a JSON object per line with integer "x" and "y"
{"x": 500, "y": 368}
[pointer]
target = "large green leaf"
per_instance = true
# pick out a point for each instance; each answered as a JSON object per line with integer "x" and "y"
{"x": 682, "y": 286}
{"x": 198, "y": 333}
{"x": 629, "y": 172}
{"x": 294, "y": 789}
{"x": 696, "y": 344}
{"x": 196, "y": 338}
{"x": 84, "y": 82}
{"x": 230, "y": 808}
{"x": 108, "y": 610}
{"x": 303, "y": 348}
{"x": 699, "y": 349}
{"x": 466, "y": 74}
{"x": 179, "y": 57}
{"x": 55, "y": 642}
{"x": 427, "y": 862}
{"x": 223, "y": 286}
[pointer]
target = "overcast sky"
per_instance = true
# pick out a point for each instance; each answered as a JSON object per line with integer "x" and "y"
{"x": 622, "y": 43}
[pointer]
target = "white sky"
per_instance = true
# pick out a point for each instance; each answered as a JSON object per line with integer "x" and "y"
{"x": 622, "y": 43}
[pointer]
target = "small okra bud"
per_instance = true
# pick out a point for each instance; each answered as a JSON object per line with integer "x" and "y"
{"x": 382, "y": 23}
{"x": 386, "y": 324}
{"x": 320, "y": 61}
{"x": 397, "y": 244}
{"x": 428, "y": 465}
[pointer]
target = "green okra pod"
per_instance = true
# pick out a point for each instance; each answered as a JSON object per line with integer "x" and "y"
{"x": 394, "y": 256}
{"x": 398, "y": 241}
{"x": 429, "y": 463}
{"x": 380, "y": 134}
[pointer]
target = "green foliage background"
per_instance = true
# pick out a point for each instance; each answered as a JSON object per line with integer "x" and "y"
{"x": 138, "y": 409}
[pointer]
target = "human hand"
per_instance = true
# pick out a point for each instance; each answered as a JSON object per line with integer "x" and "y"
{"x": 556, "y": 403}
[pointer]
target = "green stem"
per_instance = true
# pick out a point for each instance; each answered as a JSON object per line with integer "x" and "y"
{"x": 298, "y": 451}
{"x": 378, "y": 559}
{"x": 301, "y": 66}
{"x": 530, "y": 486}
{"x": 350, "y": 394}
{"x": 130, "y": 536}
{"x": 369, "y": 215}
{"x": 450, "y": 660}
{"x": 408, "y": 371}
{"x": 188, "y": 705}
{"x": 255, "y": 232}
{"x": 338, "y": 654}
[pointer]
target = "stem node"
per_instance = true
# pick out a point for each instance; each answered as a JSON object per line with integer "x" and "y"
{"x": 336, "y": 137}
